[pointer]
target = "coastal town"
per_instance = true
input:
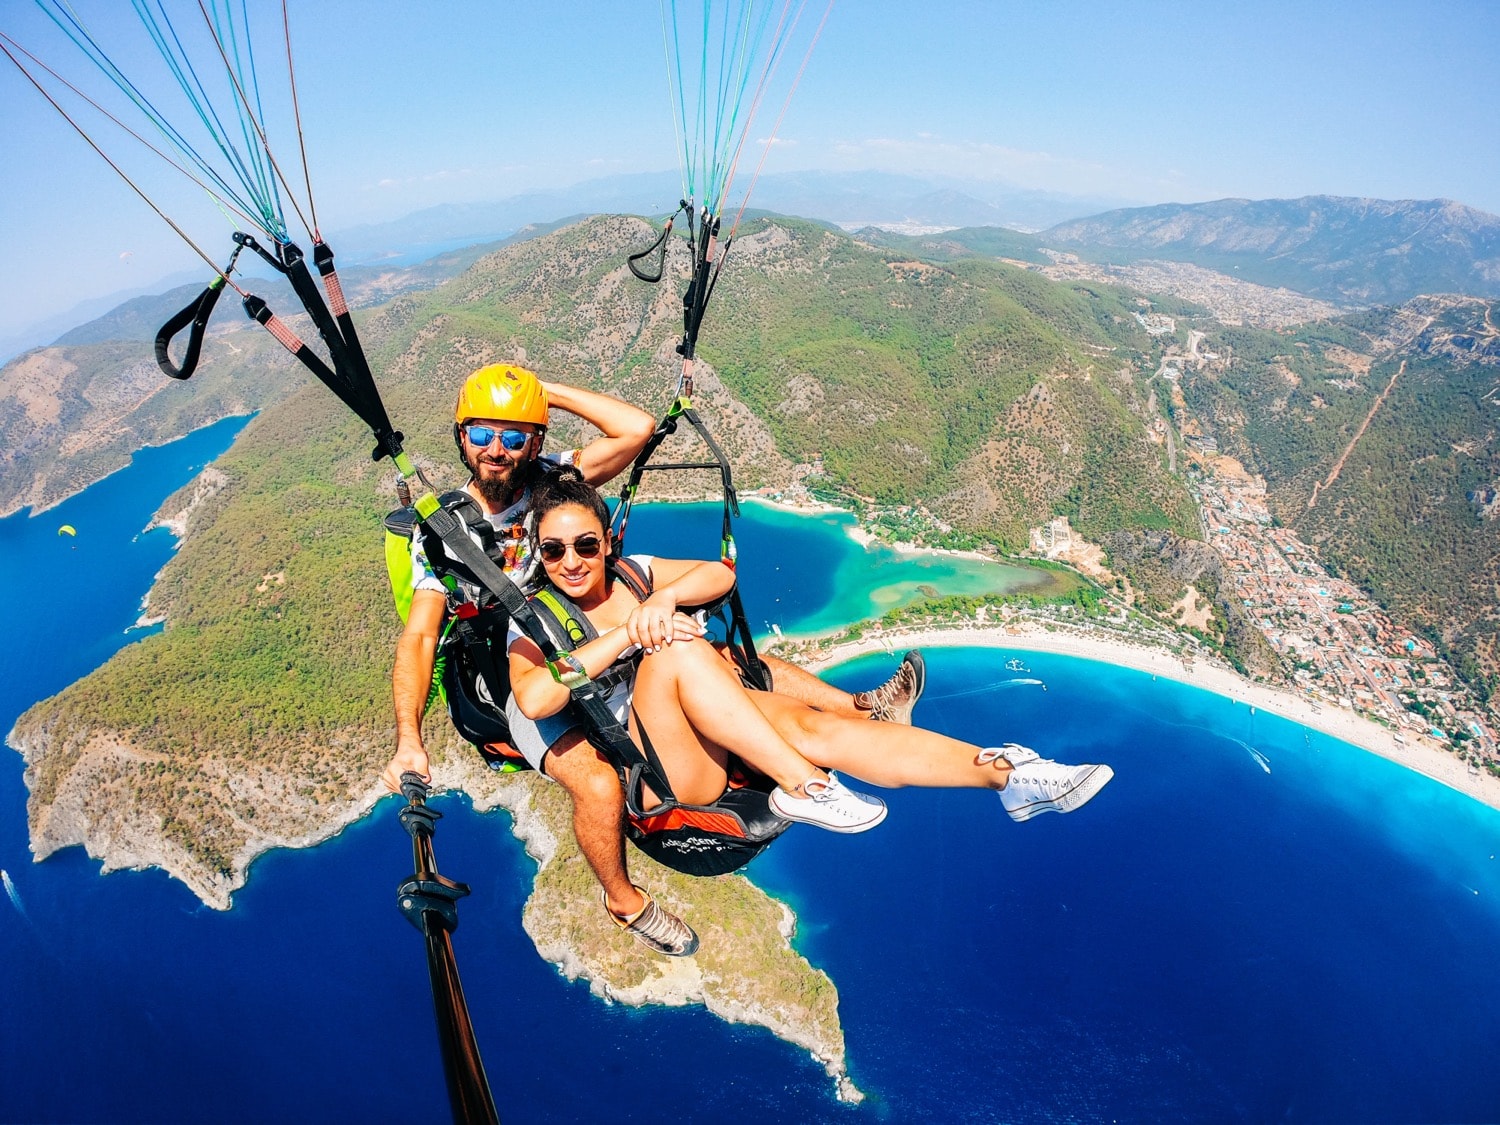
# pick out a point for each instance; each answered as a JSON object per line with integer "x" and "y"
{"x": 1347, "y": 668}
{"x": 1339, "y": 651}
{"x": 1229, "y": 299}
{"x": 1341, "y": 648}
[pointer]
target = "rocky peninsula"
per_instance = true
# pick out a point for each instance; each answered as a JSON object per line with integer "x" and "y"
{"x": 203, "y": 815}
{"x": 746, "y": 971}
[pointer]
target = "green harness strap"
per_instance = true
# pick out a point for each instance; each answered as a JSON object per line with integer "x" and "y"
{"x": 403, "y": 578}
{"x": 604, "y": 730}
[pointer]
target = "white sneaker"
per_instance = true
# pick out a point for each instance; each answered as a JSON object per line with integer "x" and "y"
{"x": 1038, "y": 785}
{"x": 830, "y": 804}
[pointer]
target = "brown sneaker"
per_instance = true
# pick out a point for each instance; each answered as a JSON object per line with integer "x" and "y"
{"x": 656, "y": 928}
{"x": 893, "y": 700}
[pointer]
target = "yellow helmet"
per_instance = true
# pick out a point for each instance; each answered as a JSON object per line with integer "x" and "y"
{"x": 503, "y": 392}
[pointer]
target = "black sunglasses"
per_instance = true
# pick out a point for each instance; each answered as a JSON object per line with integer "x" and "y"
{"x": 510, "y": 440}
{"x": 586, "y": 546}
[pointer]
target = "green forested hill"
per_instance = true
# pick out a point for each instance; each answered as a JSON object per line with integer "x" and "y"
{"x": 268, "y": 694}
{"x": 997, "y": 397}
{"x": 904, "y": 380}
{"x": 991, "y": 394}
{"x": 993, "y": 242}
{"x": 74, "y": 412}
{"x": 71, "y": 415}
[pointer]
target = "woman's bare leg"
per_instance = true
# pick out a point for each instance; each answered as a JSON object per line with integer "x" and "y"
{"x": 700, "y": 692}
{"x": 695, "y": 711}
{"x": 880, "y": 753}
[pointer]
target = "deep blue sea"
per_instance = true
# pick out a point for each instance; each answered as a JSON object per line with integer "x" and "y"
{"x": 1207, "y": 941}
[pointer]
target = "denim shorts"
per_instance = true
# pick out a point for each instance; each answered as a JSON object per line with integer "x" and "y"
{"x": 534, "y": 737}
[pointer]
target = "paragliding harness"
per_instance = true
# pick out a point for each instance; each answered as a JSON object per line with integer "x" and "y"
{"x": 703, "y": 233}
{"x": 471, "y": 673}
{"x": 695, "y": 839}
{"x": 474, "y": 680}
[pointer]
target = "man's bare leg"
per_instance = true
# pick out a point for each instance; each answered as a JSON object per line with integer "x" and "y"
{"x": 598, "y": 817}
{"x": 803, "y": 686}
{"x": 599, "y": 828}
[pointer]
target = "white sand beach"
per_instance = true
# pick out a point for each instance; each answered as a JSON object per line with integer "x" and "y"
{"x": 1415, "y": 750}
{"x": 1418, "y": 752}
{"x": 802, "y": 506}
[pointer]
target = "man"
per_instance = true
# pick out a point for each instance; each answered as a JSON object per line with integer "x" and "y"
{"x": 500, "y": 424}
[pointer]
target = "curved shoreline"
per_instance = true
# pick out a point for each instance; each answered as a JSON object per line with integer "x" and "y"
{"x": 1411, "y": 749}
{"x": 1418, "y": 752}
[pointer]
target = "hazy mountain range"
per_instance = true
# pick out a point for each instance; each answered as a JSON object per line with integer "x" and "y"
{"x": 1349, "y": 251}
{"x": 849, "y": 199}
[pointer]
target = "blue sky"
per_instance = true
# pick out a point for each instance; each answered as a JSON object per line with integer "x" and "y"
{"x": 408, "y": 105}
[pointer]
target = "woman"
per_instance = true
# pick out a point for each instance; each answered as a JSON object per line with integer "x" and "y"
{"x": 686, "y": 696}
{"x": 697, "y": 712}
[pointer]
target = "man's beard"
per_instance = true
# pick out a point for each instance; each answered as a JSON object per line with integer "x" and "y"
{"x": 501, "y": 492}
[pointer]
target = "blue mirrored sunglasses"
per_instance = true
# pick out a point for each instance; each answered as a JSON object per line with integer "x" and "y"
{"x": 481, "y": 436}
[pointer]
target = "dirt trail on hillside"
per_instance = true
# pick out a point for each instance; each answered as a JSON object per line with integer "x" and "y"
{"x": 1338, "y": 466}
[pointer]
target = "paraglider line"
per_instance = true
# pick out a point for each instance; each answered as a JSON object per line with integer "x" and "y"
{"x": 91, "y": 50}
{"x": 773, "y": 58}
{"x": 775, "y": 129}
{"x": 679, "y": 113}
{"x": 226, "y": 202}
{"x": 291, "y": 72}
{"x": 250, "y": 114}
{"x": 118, "y": 170}
{"x": 180, "y": 64}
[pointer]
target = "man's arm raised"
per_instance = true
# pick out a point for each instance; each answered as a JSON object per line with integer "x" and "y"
{"x": 624, "y": 430}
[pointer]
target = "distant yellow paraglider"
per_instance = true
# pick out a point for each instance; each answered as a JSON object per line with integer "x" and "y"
{"x": 67, "y": 529}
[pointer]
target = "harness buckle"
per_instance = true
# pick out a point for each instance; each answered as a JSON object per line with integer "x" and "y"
{"x": 569, "y": 671}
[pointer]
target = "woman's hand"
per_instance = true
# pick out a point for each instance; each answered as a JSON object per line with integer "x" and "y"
{"x": 652, "y": 626}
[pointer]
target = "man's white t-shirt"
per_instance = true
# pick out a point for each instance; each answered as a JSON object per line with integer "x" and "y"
{"x": 512, "y": 533}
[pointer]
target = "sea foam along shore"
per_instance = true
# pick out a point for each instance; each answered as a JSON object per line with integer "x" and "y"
{"x": 1418, "y": 752}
